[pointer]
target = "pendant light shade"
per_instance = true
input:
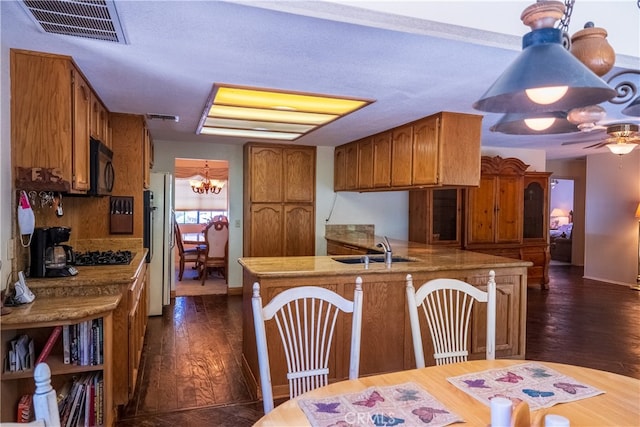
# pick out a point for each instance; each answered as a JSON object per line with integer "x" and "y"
{"x": 633, "y": 109}
{"x": 544, "y": 63}
{"x": 519, "y": 124}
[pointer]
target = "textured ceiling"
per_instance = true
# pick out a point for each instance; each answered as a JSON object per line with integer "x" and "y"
{"x": 397, "y": 53}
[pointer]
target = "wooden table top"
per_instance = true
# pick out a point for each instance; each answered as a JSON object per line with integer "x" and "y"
{"x": 619, "y": 405}
{"x": 192, "y": 238}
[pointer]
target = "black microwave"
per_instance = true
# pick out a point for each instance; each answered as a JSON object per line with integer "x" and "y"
{"x": 101, "y": 173}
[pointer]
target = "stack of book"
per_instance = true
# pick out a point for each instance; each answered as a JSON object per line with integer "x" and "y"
{"x": 20, "y": 356}
{"x": 83, "y": 343}
{"x": 80, "y": 402}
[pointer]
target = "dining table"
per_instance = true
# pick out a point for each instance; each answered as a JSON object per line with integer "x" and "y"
{"x": 193, "y": 238}
{"x": 616, "y": 403}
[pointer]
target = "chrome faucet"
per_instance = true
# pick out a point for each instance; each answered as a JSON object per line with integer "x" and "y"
{"x": 386, "y": 246}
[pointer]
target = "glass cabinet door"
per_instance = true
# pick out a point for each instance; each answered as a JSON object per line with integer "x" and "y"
{"x": 445, "y": 220}
{"x": 534, "y": 211}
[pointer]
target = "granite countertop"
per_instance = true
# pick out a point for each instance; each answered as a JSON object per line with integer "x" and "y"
{"x": 90, "y": 280}
{"x": 424, "y": 258}
{"x": 94, "y": 290}
{"x": 58, "y": 310}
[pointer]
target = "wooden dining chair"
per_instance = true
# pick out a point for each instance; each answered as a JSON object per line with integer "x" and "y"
{"x": 306, "y": 318}
{"x": 447, "y": 305}
{"x": 215, "y": 253}
{"x": 186, "y": 255}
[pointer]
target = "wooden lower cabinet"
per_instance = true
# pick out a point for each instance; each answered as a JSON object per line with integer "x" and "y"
{"x": 386, "y": 343}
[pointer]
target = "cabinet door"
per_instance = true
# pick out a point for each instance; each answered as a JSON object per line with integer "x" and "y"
{"x": 445, "y": 216}
{"x": 266, "y": 230}
{"x": 299, "y": 230}
{"x": 365, "y": 164}
{"x": 351, "y": 166}
{"x": 535, "y": 225}
{"x": 266, "y": 174}
{"x": 382, "y": 160}
{"x": 509, "y": 209}
{"x": 299, "y": 174}
{"x": 425, "y": 151}
{"x": 81, "y": 120}
{"x": 481, "y": 205}
{"x": 339, "y": 169}
{"x": 401, "y": 152}
{"x": 507, "y": 321}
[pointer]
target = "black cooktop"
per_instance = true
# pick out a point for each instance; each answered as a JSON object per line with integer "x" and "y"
{"x": 103, "y": 258}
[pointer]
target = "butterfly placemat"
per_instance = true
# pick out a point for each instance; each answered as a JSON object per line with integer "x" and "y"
{"x": 405, "y": 405}
{"x": 539, "y": 386}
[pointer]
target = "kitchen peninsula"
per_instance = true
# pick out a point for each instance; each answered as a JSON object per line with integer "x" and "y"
{"x": 117, "y": 294}
{"x": 386, "y": 344}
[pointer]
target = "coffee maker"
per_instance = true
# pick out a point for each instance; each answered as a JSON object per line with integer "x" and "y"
{"x": 49, "y": 258}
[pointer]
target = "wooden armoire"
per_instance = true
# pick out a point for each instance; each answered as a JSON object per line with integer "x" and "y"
{"x": 508, "y": 215}
{"x": 279, "y": 200}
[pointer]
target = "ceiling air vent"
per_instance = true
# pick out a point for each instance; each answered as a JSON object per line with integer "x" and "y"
{"x": 90, "y": 19}
{"x": 153, "y": 116}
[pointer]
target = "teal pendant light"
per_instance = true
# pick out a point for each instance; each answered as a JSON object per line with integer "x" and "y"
{"x": 544, "y": 65}
{"x": 553, "y": 122}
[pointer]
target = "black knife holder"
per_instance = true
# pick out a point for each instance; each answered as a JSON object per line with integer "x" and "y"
{"x": 121, "y": 215}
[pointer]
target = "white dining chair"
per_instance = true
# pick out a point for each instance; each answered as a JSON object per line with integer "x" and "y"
{"x": 306, "y": 318}
{"x": 447, "y": 305}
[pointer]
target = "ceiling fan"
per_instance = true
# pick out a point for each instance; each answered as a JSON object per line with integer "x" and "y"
{"x": 622, "y": 138}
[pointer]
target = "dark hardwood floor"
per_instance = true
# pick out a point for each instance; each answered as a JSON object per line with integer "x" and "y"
{"x": 190, "y": 371}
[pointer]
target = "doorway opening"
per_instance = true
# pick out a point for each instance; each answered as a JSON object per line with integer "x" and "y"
{"x": 561, "y": 211}
{"x": 201, "y": 195}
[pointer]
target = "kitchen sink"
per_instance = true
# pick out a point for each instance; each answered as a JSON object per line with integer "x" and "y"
{"x": 372, "y": 258}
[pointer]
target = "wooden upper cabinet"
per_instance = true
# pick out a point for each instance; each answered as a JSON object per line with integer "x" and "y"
{"x": 365, "y": 163}
{"x": 382, "y": 160}
{"x": 425, "y": 151}
{"x": 50, "y": 106}
{"x": 442, "y": 150}
{"x": 299, "y": 174}
{"x": 266, "y": 174}
{"x": 81, "y": 120}
{"x": 401, "y": 156}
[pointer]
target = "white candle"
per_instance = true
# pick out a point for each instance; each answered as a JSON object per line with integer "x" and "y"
{"x": 552, "y": 420}
{"x": 501, "y": 412}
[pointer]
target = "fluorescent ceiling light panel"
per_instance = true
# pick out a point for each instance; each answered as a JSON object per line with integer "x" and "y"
{"x": 271, "y": 114}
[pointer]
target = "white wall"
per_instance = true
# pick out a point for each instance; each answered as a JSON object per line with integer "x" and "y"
{"x": 165, "y": 153}
{"x": 8, "y": 198}
{"x": 611, "y": 230}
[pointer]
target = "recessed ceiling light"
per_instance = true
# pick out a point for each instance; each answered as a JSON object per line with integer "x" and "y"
{"x": 269, "y": 113}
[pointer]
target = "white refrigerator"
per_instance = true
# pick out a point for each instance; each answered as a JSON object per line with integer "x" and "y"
{"x": 162, "y": 276}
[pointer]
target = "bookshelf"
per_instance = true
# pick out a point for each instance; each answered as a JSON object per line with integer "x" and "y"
{"x": 38, "y": 320}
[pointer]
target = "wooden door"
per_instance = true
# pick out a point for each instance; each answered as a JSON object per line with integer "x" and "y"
{"x": 299, "y": 174}
{"x": 401, "y": 152}
{"x": 299, "y": 230}
{"x": 382, "y": 160}
{"x": 536, "y": 207}
{"x": 509, "y": 209}
{"x": 81, "y": 119}
{"x": 481, "y": 206}
{"x": 265, "y": 174}
{"x": 425, "y": 151}
{"x": 365, "y": 164}
{"x": 266, "y": 230}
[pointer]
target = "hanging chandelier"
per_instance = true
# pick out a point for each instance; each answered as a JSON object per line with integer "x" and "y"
{"x": 206, "y": 185}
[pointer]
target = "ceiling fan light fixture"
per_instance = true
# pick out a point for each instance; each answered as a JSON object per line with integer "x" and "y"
{"x": 621, "y": 148}
{"x": 544, "y": 63}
